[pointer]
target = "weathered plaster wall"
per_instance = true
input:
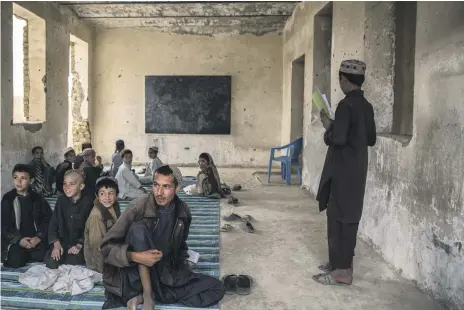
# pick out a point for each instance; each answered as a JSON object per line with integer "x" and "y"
{"x": 413, "y": 205}
{"x": 17, "y": 140}
{"x": 123, "y": 57}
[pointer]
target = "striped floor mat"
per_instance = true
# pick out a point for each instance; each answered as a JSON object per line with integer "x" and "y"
{"x": 203, "y": 238}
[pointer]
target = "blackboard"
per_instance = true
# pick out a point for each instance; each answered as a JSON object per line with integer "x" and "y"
{"x": 188, "y": 104}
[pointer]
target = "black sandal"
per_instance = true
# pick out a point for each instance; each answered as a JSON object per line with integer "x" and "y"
{"x": 237, "y": 187}
{"x": 230, "y": 284}
{"x": 232, "y": 217}
{"x": 246, "y": 226}
{"x": 244, "y": 284}
{"x": 232, "y": 200}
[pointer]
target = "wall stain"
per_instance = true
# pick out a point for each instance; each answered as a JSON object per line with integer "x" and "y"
{"x": 459, "y": 246}
{"x": 440, "y": 244}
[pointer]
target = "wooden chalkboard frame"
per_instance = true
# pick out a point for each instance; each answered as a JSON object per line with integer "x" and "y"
{"x": 188, "y": 104}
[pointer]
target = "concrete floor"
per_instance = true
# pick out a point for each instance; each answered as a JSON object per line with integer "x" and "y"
{"x": 289, "y": 244}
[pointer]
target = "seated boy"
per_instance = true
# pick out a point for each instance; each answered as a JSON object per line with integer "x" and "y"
{"x": 25, "y": 219}
{"x": 44, "y": 174}
{"x": 66, "y": 230}
{"x": 78, "y": 160}
{"x": 146, "y": 255}
{"x": 102, "y": 217}
{"x": 151, "y": 167}
{"x": 69, "y": 155}
{"x": 91, "y": 170}
{"x": 128, "y": 182}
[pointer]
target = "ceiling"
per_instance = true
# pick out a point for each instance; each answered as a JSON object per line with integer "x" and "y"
{"x": 205, "y": 18}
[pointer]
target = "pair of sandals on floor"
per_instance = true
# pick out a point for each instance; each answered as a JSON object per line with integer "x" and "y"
{"x": 240, "y": 285}
{"x": 245, "y": 225}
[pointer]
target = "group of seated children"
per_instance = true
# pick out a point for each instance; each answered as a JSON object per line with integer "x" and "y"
{"x": 130, "y": 184}
{"x": 141, "y": 253}
{"x": 32, "y": 232}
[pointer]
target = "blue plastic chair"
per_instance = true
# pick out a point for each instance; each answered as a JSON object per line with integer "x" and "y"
{"x": 290, "y": 158}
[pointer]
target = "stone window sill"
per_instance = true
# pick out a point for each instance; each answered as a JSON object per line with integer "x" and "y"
{"x": 28, "y": 123}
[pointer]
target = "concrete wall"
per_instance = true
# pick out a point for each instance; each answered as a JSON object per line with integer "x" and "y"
{"x": 123, "y": 57}
{"x": 18, "y": 139}
{"x": 414, "y": 196}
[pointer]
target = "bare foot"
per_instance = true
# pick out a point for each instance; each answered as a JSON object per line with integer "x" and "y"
{"x": 134, "y": 302}
{"x": 148, "y": 302}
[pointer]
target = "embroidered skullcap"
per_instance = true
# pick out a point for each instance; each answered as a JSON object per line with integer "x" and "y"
{"x": 88, "y": 152}
{"x": 154, "y": 148}
{"x": 353, "y": 66}
{"x": 67, "y": 150}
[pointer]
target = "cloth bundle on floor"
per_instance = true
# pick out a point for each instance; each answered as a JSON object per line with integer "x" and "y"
{"x": 66, "y": 279}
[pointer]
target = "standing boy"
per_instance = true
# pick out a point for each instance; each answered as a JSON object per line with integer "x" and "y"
{"x": 25, "y": 219}
{"x": 66, "y": 230}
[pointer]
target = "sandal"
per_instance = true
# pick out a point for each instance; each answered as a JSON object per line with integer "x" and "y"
{"x": 232, "y": 200}
{"x": 226, "y": 227}
{"x": 327, "y": 279}
{"x": 236, "y": 187}
{"x": 246, "y": 218}
{"x": 244, "y": 284}
{"x": 230, "y": 284}
{"x": 232, "y": 217}
{"x": 326, "y": 267}
{"x": 246, "y": 226}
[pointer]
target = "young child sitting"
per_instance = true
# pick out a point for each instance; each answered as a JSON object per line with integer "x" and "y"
{"x": 44, "y": 174}
{"x": 69, "y": 156}
{"x": 66, "y": 230}
{"x": 102, "y": 217}
{"x": 25, "y": 219}
{"x": 91, "y": 170}
{"x": 79, "y": 159}
{"x": 128, "y": 182}
{"x": 151, "y": 166}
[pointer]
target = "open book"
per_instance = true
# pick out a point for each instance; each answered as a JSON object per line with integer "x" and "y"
{"x": 321, "y": 103}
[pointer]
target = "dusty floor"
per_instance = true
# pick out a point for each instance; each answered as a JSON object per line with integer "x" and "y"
{"x": 289, "y": 244}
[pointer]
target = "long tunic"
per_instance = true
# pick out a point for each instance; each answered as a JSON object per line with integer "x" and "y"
{"x": 95, "y": 229}
{"x": 128, "y": 183}
{"x": 151, "y": 167}
{"x": 343, "y": 180}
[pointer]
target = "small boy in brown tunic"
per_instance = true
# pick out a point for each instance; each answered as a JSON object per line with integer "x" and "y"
{"x": 102, "y": 217}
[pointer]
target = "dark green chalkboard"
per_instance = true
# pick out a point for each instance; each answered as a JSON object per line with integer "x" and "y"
{"x": 188, "y": 104}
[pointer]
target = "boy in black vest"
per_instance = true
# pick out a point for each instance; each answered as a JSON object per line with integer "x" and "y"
{"x": 66, "y": 230}
{"x": 25, "y": 219}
